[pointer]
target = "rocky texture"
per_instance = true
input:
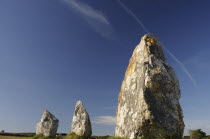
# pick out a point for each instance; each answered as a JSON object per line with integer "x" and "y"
{"x": 148, "y": 102}
{"x": 81, "y": 124}
{"x": 48, "y": 125}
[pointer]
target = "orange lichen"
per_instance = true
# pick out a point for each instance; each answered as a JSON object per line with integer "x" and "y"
{"x": 131, "y": 68}
{"x": 152, "y": 41}
{"x": 132, "y": 64}
{"x": 45, "y": 110}
{"x": 143, "y": 37}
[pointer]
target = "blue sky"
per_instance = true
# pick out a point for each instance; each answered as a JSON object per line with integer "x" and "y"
{"x": 55, "y": 52}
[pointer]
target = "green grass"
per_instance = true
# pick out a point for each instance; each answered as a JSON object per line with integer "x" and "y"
{"x": 13, "y": 137}
{"x": 40, "y": 136}
{"x": 113, "y": 137}
{"x": 72, "y": 135}
{"x": 35, "y": 137}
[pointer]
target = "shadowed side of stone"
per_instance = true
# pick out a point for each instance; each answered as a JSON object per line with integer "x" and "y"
{"x": 81, "y": 124}
{"x": 148, "y": 102}
{"x": 48, "y": 125}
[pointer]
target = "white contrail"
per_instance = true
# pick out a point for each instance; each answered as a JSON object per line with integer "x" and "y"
{"x": 170, "y": 54}
{"x": 182, "y": 66}
{"x": 133, "y": 15}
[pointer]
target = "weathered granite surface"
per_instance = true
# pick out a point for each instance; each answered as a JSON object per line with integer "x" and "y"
{"x": 48, "y": 125}
{"x": 148, "y": 102}
{"x": 81, "y": 124}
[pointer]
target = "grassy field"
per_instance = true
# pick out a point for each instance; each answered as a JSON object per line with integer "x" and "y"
{"x": 12, "y": 137}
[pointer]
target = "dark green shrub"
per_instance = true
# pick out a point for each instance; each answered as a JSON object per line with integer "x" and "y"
{"x": 197, "y": 134}
{"x": 186, "y": 137}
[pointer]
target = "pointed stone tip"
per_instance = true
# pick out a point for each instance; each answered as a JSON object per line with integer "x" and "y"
{"x": 149, "y": 36}
{"x": 47, "y": 114}
{"x": 79, "y": 103}
{"x": 151, "y": 39}
{"x": 46, "y": 111}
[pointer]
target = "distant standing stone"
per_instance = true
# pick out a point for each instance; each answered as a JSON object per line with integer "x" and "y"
{"x": 48, "y": 125}
{"x": 81, "y": 124}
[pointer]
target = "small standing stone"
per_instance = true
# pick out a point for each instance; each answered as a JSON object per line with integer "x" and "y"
{"x": 48, "y": 125}
{"x": 81, "y": 124}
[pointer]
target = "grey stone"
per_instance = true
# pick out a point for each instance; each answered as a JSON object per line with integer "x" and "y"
{"x": 48, "y": 125}
{"x": 81, "y": 124}
{"x": 148, "y": 102}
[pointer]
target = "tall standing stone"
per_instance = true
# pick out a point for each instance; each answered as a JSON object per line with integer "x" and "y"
{"x": 148, "y": 102}
{"x": 81, "y": 124}
{"x": 48, "y": 125}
